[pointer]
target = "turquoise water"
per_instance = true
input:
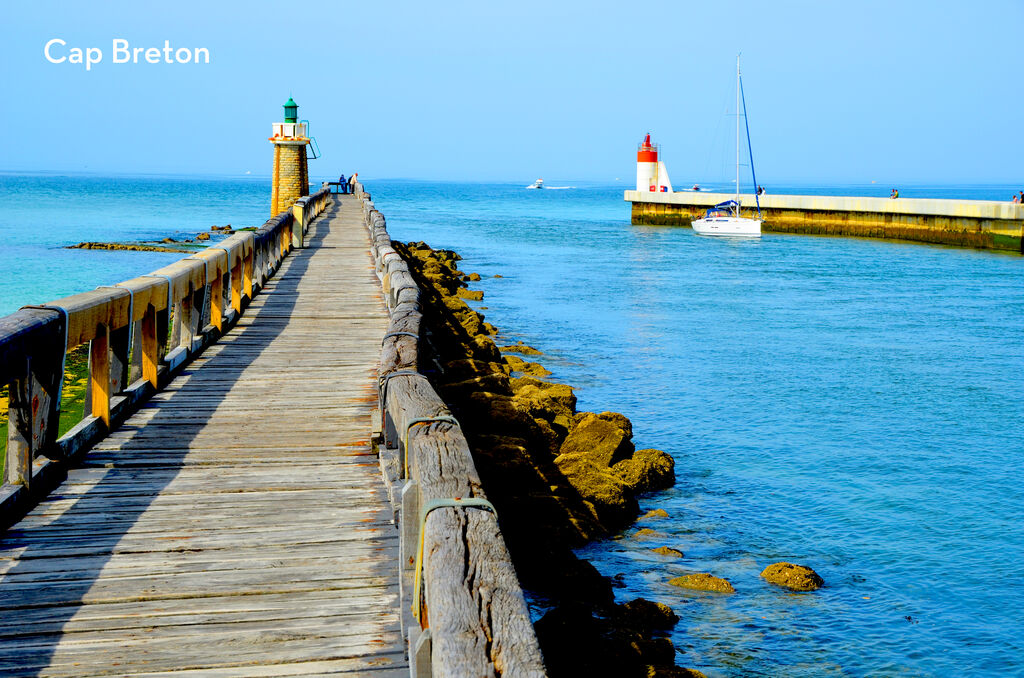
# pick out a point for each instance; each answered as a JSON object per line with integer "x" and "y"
{"x": 853, "y": 405}
{"x": 849, "y": 404}
{"x": 42, "y": 214}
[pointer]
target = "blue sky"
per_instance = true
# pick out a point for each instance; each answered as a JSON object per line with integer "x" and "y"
{"x": 837, "y": 92}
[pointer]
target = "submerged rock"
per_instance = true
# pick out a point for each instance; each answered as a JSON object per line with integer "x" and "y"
{"x": 673, "y": 672}
{"x": 656, "y": 513}
{"x": 520, "y": 348}
{"x": 526, "y": 367}
{"x": 670, "y": 552}
{"x": 794, "y": 577}
{"x": 127, "y": 247}
{"x": 647, "y": 533}
{"x": 702, "y": 581}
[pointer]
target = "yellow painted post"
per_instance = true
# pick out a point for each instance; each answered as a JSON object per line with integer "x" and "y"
{"x": 236, "y": 286}
{"x": 99, "y": 374}
{"x": 217, "y": 301}
{"x": 298, "y": 225}
{"x": 150, "y": 346}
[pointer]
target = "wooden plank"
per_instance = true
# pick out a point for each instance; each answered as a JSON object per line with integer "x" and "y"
{"x": 191, "y": 543}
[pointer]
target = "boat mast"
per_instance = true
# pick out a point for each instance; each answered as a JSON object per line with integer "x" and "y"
{"x": 737, "y": 134}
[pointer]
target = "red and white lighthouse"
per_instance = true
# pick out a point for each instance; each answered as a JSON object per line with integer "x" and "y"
{"x": 651, "y": 174}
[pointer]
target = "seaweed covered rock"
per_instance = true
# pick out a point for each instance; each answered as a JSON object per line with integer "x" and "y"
{"x": 607, "y": 496}
{"x": 668, "y": 551}
{"x": 600, "y": 438}
{"x": 793, "y": 577}
{"x": 520, "y": 347}
{"x": 673, "y": 672}
{"x": 526, "y": 367}
{"x": 620, "y": 645}
{"x": 647, "y": 470}
{"x": 557, "y": 497}
{"x": 647, "y": 614}
{"x": 702, "y": 581}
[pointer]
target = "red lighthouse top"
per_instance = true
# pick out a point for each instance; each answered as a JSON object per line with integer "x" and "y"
{"x": 646, "y": 152}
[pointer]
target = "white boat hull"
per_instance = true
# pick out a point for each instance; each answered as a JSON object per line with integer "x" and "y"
{"x": 733, "y": 226}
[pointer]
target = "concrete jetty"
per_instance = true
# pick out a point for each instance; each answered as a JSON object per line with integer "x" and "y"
{"x": 966, "y": 223}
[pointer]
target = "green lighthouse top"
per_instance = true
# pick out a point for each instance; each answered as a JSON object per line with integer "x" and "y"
{"x": 291, "y": 111}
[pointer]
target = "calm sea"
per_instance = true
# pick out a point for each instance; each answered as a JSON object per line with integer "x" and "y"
{"x": 850, "y": 404}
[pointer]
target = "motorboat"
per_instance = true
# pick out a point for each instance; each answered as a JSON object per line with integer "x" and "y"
{"x": 537, "y": 184}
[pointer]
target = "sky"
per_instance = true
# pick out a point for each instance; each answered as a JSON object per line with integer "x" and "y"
{"x": 853, "y": 92}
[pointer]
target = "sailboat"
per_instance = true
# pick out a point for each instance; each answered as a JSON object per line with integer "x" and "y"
{"x": 725, "y": 218}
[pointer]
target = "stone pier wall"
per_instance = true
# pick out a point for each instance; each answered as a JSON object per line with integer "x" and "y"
{"x": 966, "y": 223}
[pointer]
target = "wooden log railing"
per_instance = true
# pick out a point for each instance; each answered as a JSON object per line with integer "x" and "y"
{"x": 131, "y": 352}
{"x": 472, "y": 618}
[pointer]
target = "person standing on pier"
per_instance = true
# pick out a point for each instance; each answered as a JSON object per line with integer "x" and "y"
{"x": 352, "y": 182}
{"x": 342, "y": 184}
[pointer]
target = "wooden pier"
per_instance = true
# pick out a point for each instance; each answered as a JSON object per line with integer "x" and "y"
{"x": 226, "y": 513}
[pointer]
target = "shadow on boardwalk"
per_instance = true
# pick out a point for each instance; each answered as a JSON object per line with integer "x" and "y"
{"x": 130, "y": 544}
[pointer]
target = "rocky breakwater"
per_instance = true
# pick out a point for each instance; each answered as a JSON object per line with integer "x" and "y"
{"x": 558, "y": 478}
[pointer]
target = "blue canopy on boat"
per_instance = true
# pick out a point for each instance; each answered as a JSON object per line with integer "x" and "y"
{"x": 730, "y": 206}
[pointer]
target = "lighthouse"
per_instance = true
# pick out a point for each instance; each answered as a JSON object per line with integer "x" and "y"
{"x": 291, "y": 173}
{"x": 651, "y": 174}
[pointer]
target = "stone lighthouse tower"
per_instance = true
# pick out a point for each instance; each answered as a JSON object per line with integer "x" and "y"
{"x": 291, "y": 175}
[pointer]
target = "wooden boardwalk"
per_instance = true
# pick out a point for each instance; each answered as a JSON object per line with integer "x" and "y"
{"x": 237, "y": 524}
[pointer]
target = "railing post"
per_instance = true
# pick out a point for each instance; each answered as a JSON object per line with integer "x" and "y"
{"x": 298, "y": 224}
{"x": 150, "y": 346}
{"x": 119, "y": 354}
{"x": 19, "y": 430}
{"x": 99, "y": 374}
{"x": 236, "y": 286}
{"x": 217, "y": 301}
{"x": 196, "y": 311}
{"x": 248, "y": 266}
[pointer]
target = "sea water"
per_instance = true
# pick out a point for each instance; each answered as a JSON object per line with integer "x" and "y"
{"x": 853, "y": 405}
{"x": 849, "y": 404}
{"x": 42, "y": 214}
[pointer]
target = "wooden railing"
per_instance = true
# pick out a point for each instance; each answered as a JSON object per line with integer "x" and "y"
{"x": 469, "y": 615}
{"x": 131, "y": 352}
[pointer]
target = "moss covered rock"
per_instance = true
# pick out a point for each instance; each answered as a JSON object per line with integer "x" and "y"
{"x": 702, "y": 581}
{"x": 654, "y": 514}
{"x": 647, "y": 533}
{"x": 520, "y": 347}
{"x": 544, "y": 399}
{"x": 793, "y": 577}
{"x": 473, "y": 295}
{"x": 647, "y": 615}
{"x": 517, "y": 364}
{"x": 610, "y": 499}
{"x": 601, "y": 438}
{"x": 647, "y": 470}
{"x": 669, "y": 552}
{"x": 673, "y": 672}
